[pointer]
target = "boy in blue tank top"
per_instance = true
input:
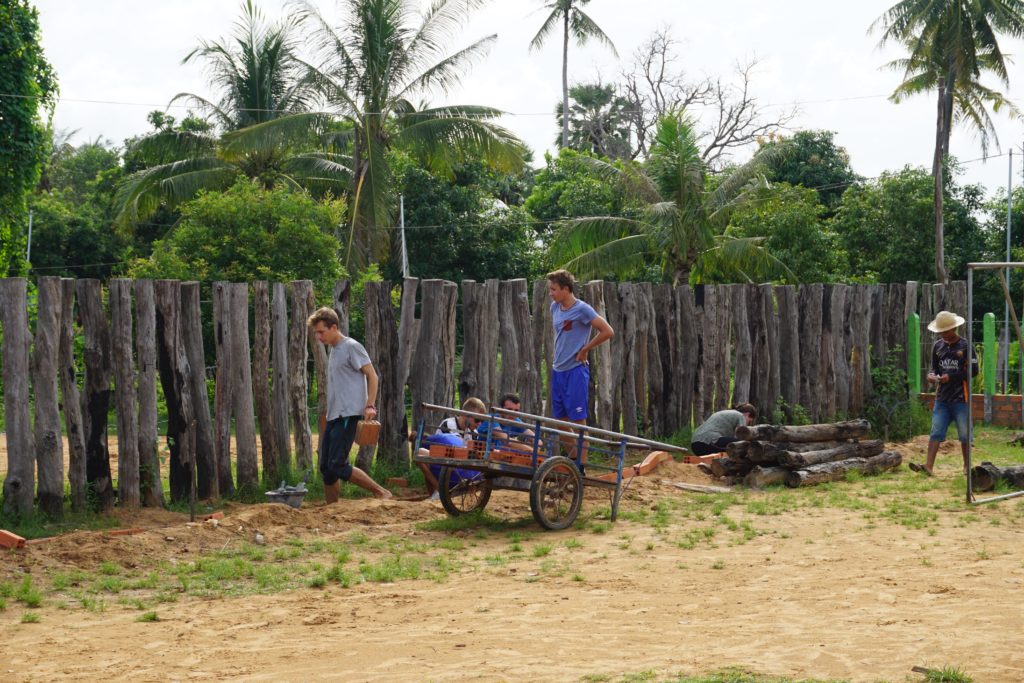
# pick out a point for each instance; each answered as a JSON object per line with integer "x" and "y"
{"x": 574, "y": 321}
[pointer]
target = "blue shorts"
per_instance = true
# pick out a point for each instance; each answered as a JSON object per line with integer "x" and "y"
{"x": 569, "y": 392}
{"x": 942, "y": 414}
{"x": 458, "y": 474}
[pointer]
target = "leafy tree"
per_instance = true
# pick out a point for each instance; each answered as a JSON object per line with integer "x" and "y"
{"x": 679, "y": 224}
{"x": 251, "y": 233}
{"x": 570, "y": 187}
{"x": 951, "y": 44}
{"x": 270, "y": 137}
{"x": 457, "y": 230}
{"x": 71, "y": 214}
{"x": 383, "y": 56}
{"x": 598, "y": 121}
{"x": 895, "y": 211}
{"x": 29, "y": 84}
{"x": 811, "y": 158}
{"x": 790, "y": 220}
{"x": 577, "y": 24}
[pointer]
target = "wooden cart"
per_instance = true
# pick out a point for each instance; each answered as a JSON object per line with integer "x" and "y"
{"x": 555, "y": 482}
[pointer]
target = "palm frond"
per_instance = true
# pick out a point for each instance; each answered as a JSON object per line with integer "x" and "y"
{"x": 139, "y": 196}
{"x": 621, "y": 257}
{"x": 743, "y": 259}
{"x": 447, "y": 73}
{"x": 446, "y": 140}
{"x": 584, "y": 28}
{"x": 546, "y": 29}
{"x": 280, "y": 133}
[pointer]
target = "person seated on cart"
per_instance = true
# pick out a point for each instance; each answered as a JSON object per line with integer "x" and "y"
{"x": 453, "y": 431}
{"x": 719, "y": 430}
{"x": 504, "y": 436}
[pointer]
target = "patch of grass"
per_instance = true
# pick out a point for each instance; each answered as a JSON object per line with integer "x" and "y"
{"x": 947, "y": 674}
{"x": 541, "y": 550}
{"x": 578, "y": 578}
{"x": 472, "y": 520}
{"x": 287, "y": 553}
{"x": 452, "y": 544}
{"x": 3, "y": 604}
{"x": 572, "y": 543}
{"x": 93, "y": 604}
{"x": 391, "y": 569}
{"x": 27, "y": 594}
{"x": 30, "y": 618}
{"x": 148, "y": 617}
{"x": 340, "y": 575}
{"x": 108, "y": 584}
{"x": 109, "y": 569}
{"x": 718, "y": 564}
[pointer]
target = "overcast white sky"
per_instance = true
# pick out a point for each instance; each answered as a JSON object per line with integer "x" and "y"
{"x": 124, "y": 56}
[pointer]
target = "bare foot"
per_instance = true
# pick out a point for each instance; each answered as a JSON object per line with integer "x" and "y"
{"x": 384, "y": 494}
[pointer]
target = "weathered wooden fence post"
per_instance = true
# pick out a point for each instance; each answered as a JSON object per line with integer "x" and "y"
{"x": 190, "y": 322}
{"x": 689, "y": 356}
{"x": 49, "y": 448}
{"x": 96, "y": 397}
{"x": 469, "y": 378}
{"x": 261, "y": 378}
{"x": 342, "y": 303}
{"x": 630, "y": 360}
{"x": 741, "y": 333}
{"x": 655, "y": 394}
{"x": 175, "y": 371}
{"x": 72, "y": 399}
{"x": 125, "y": 397}
{"x": 771, "y": 321}
{"x": 382, "y": 345}
{"x": 761, "y": 366}
{"x": 241, "y": 366}
{"x": 789, "y": 347}
{"x": 319, "y": 353}
{"x": 408, "y": 331}
{"x": 279, "y": 391}
{"x": 19, "y": 484}
{"x": 810, "y": 297}
{"x": 224, "y": 392}
{"x": 543, "y": 341}
{"x": 841, "y": 352}
{"x": 150, "y": 485}
{"x": 666, "y": 322}
{"x": 298, "y": 387}
{"x": 430, "y": 377}
{"x": 600, "y": 363}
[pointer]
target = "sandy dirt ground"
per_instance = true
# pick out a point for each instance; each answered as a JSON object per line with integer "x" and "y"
{"x": 824, "y": 592}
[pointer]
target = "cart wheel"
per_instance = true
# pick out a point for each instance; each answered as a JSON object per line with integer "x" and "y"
{"x": 556, "y": 493}
{"x": 464, "y": 495}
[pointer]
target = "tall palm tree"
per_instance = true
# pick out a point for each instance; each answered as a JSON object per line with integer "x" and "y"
{"x": 577, "y": 24}
{"x": 271, "y": 135}
{"x": 679, "y": 223}
{"x": 383, "y": 57}
{"x": 951, "y": 45}
{"x": 257, "y": 72}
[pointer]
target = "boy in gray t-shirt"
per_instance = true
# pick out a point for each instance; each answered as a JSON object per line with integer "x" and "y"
{"x": 719, "y": 430}
{"x": 351, "y": 392}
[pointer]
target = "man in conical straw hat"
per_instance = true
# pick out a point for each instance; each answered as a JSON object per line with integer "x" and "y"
{"x": 953, "y": 365}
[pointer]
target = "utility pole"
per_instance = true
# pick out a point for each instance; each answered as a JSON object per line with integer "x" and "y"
{"x": 401, "y": 226}
{"x": 28, "y": 251}
{"x": 1006, "y": 306}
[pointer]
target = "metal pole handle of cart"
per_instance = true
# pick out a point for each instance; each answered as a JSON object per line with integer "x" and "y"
{"x": 554, "y": 482}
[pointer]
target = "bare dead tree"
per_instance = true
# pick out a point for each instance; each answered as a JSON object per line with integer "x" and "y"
{"x": 728, "y": 113}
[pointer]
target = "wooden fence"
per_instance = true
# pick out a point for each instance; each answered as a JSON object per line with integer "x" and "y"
{"x": 679, "y": 354}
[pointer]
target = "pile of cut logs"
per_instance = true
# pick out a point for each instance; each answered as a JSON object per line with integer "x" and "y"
{"x": 802, "y": 455}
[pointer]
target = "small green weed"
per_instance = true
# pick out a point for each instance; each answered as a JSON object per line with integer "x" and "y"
{"x": 147, "y": 617}
{"x": 30, "y": 618}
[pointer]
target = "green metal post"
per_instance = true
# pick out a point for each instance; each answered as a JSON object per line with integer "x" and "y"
{"x": 988, "y": 362}
{"x": 914, "y": 354}
{"x": 990, "y": 351}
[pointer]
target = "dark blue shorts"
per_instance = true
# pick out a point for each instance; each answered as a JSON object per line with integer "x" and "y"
{"x": 569, "y": 393}
{"x": 335, "y": 447}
